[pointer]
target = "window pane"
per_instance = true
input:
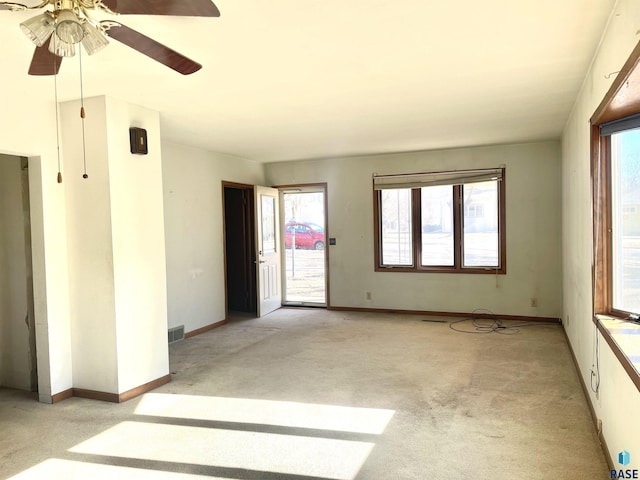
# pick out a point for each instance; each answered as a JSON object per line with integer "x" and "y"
{"x": 268, "y": 222}
{"x": 395, "y": 225}
{"x": 481, "y": 239}
{"x": 625, "y": 203}
{"x": 437, "y": 226}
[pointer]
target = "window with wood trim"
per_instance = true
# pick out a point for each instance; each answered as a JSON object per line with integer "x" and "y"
{"x": 615, "y": 163}
{"x": 449, "y": 222}
{"x": 615, "y": 176}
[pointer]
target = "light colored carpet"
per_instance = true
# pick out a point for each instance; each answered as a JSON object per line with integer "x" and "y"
{"x": 314, "y": 394}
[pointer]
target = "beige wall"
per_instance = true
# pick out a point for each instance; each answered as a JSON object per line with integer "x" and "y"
{"x": 90, "y": 249}
{"x": 617, "y": 400}
{"x": 29, "y": 131}
{"x": 115, "y": 232}
{"x": 194, "y": 236}
{"x": 137, "y": 217}
{"x": 533, "y": 231}
{"x": 15, "y": 366}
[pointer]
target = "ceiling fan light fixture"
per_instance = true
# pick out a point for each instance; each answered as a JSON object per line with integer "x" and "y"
{"x": 94, "y": 40}
{"x": 61, "y": 48}
{"x": 69, "y": 27}
{"x": 39, "y": 28}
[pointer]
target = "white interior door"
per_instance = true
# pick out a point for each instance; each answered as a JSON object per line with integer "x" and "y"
{"x": 268, "y": 254}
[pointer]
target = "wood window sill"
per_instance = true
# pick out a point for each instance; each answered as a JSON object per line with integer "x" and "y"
{"x": 624, "y": 339}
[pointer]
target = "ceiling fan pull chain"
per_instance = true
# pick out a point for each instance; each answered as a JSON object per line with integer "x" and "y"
{"x": 82, "y": 116}
{"x": 55, "y": 91}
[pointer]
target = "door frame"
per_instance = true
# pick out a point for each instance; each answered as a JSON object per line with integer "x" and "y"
{"x": 31, "y": 320}
{"x": 33, "y": 224}
{"x": 324, "y": 187}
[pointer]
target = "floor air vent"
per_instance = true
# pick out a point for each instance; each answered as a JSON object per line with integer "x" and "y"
{"x": 176, "y": 333}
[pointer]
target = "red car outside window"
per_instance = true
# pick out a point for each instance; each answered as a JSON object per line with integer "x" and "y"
{"x": 305, "y": 235}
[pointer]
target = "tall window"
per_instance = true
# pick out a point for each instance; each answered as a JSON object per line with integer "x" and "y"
{"x": 617, "y": 217}
{"x": 615, "y": 187}
{"x": 444, "y": 222}
{"x": 625, "y": 189}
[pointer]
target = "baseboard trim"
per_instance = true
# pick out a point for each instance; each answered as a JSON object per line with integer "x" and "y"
{"x": 147, "y": 387}
{"x": 206, "y": 328}
{"x": 122, "y": 397}
{"x": 96, "y": 395}
{"x": 605, "y": 448}
{"x": 448, "y": 314}
{"x": 58, "y": 397}
{"x": 594, "y": 417}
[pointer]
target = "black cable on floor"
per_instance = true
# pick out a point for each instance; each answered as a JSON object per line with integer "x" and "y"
{"x": 486, "y": 325}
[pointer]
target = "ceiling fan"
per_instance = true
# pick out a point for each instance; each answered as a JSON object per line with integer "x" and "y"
{"x": 57, "y": 32}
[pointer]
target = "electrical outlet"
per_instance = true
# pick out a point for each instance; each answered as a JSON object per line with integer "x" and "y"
{"x": 534, "y": 302}
{"x": 368, "y": 295}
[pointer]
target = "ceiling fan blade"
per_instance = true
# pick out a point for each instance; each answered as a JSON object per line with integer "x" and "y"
{"x": 12, "y": 6}
{"x": 187, "y": 8}
{"x": 44, "y": 62}
{"x": 151, "y": 48}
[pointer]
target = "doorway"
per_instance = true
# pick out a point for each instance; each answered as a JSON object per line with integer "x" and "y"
{"x": 239, "y": 235}
{"x": 18, "y": 365}
{"x": 252, "y": 268}
{"x": 305, "y": 240}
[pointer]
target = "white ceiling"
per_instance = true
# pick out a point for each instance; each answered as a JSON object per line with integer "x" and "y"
{"x": 297, "y": 79}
